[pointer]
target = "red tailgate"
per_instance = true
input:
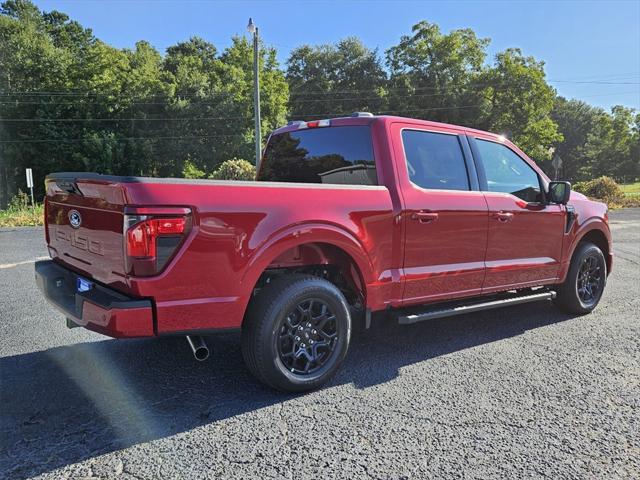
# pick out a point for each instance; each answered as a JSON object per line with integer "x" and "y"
{"x": 84, "y": 220}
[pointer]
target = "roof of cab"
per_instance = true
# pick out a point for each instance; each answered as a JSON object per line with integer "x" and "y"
{"x": 366, "y": 120}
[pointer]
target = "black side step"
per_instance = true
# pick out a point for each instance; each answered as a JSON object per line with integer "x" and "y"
{"x": 475, "y": 307}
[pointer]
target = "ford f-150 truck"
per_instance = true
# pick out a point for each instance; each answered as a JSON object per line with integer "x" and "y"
{"x": 348, "y": 216}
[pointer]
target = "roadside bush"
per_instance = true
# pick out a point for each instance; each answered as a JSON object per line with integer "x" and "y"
{"x": 190, "y": 170}
{"x": 19, "y": 213}
{"x": 602, "y": 188}
{"x": 235, "y": 169}
{"x": 19, "y": 202}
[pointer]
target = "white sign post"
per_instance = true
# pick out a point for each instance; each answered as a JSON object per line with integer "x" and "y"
{"x": 556, "y": 163}
{"x": 30, "y": 184}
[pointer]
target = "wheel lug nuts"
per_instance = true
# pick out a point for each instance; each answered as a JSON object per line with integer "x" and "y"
{"x": 297, "y": 338}
{"x": 311, "y": 342}
{"x": 314, "y": 331}
{"x": 303, "y": 345}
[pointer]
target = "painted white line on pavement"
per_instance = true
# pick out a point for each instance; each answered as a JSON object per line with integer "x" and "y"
{"x": 11, "y": 265}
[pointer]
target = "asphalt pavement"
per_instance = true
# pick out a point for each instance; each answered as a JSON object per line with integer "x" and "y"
{"x": 523, "y": 392}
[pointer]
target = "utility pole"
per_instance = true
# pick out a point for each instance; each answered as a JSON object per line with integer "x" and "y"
{"x": 251, "y": 28}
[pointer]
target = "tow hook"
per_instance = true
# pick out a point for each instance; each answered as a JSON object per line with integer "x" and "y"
{"x": 198, "y": 347}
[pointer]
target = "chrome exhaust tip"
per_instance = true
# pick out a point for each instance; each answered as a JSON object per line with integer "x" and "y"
{"x": 198, "y": 347}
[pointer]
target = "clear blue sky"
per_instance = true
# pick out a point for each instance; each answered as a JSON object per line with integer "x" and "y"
{"x": 591, "y": 48}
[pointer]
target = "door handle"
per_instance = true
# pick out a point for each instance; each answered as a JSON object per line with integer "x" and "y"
{"x": 504, "y": 217}
{"x": 425, "y": 217}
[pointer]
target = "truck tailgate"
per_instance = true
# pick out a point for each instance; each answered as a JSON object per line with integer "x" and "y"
{"x": 84, "y": 222}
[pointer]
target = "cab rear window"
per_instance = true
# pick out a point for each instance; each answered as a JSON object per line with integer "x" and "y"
{"x": 332, "y": 155}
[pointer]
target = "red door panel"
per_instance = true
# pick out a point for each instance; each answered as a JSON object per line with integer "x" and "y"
{"x": 524, "y": 244}
{"x": 445, "y": 226}
{"x": 443, "y": 257}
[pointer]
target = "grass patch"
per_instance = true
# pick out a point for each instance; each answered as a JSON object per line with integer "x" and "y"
{"x": 20, "y": 214}
{"x": 631, "y": 189}
{"x": 27, "y": 217}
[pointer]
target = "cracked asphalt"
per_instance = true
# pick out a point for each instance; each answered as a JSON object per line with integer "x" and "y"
{"x": 523, "y": 392}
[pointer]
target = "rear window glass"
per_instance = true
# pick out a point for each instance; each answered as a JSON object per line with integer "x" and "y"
{"x": 334, "y": 155}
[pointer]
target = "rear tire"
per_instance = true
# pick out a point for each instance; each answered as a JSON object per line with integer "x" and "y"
{"x": 296, "y": 333}
{"x": 582, "y": 289}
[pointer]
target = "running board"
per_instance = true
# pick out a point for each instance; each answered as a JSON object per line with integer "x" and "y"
{"x": 476, "y": 307}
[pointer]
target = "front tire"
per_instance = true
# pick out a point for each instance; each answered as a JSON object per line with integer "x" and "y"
{"x": 296, "y": 333}
{"x": 582, "y": 289}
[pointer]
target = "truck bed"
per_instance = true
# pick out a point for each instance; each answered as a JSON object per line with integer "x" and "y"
{"x": 238, "y": 228}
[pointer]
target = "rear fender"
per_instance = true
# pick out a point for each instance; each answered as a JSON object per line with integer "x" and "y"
{"x": 296, "y": 236}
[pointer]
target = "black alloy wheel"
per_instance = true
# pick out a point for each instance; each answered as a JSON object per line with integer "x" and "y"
{"x": 585, "y": 281}
{"x": 296, "y": 332}
{"x": 308, "y": 337}
{"x": 589, "y": 281}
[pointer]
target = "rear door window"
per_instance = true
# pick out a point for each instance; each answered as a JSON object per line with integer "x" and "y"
{"x": 435, "y": 160}
{"x": 333, "y": 155}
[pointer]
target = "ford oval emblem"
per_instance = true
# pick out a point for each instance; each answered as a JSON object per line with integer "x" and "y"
{"x": 75, "y": 219}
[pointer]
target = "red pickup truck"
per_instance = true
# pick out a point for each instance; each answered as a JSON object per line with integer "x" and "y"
{"x": 348, "y": 216}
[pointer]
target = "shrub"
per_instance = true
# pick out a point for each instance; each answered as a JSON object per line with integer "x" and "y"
{"x": 19, "y": 202}
{"x": 190, "y": 170}
{"x": 235, "y": 169}
{"x": 601, "y": 188}
{"x": 20, "y": 213}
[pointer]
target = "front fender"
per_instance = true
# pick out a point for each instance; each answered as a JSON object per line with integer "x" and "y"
{"x": 580, "y": 231}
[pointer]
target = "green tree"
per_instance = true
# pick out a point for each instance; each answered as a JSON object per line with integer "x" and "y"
{"x": 575, "y": 120}
{"x": 610, "y": 146}
{"x": 443, "y": 77}
{"x": 518, "y": 102}
{"x": 635, "y": 149}
{"x": 432, "y": 74}
{"x": 68, "y": 101}
{"x": 330, "y": 80}
{"x": 237, "y": 84}
{"x": 29, "y": 62}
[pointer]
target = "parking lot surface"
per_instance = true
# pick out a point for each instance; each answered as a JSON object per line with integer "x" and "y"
{"x": 523, "y": 392}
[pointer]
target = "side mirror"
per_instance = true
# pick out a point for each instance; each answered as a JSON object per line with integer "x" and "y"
{"x": 559, "y": 192}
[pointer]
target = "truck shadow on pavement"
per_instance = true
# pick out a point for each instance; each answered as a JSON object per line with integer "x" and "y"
{"x": 73, "y": 403}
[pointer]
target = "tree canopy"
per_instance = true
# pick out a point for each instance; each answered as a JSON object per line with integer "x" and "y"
{"x": 69, "y": 101}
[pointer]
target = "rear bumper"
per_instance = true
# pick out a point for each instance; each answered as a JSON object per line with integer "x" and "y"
{"x": 100, "y": 309}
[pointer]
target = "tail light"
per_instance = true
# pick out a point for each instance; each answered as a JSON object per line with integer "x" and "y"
{"x": 152, "y": 236}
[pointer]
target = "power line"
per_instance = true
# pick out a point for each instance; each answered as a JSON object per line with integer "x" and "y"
{"x": 88, "y": 94}
{"x": 331, "y": 114}
{"x": 72, "y": 120}
{"x": 89, "y": 139}
{"x": 411, "y": 95}
{"x": 296, "y": 102}
{"x": 293, "y": 92}
{"x": 171, "y": 119}
{"x": 593, "y": 82}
